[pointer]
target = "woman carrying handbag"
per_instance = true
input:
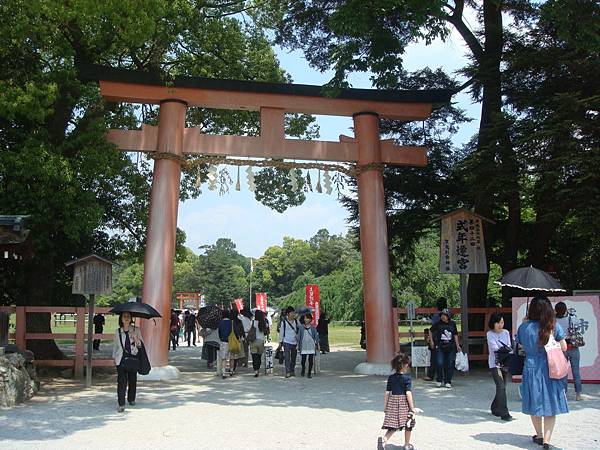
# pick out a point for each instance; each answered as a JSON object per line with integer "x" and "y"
{"x": 127, "y": 344}
{"x": 543, "y": 397}
{"x": 498, "y": 339}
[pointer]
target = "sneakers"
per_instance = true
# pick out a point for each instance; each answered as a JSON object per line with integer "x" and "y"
{"x": 507, "y": 418}
{"x": 121, "y": 409}
{"x": 309, "y": 376}
{"x": 440, "y": 384}
{"x": 578, "y": 397}
{"x": 132, "y": 403}
{"x": 448, "y": 385}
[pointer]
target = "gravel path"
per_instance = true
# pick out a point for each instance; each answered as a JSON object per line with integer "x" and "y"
{"x": 334, "y": 410}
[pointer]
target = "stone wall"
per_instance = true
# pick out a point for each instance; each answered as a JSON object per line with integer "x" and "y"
{"x": 18, "y": 378}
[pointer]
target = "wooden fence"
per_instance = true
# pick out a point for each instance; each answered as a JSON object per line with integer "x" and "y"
{"x": 21, "y": 336}
{"x": 478, "y": 334}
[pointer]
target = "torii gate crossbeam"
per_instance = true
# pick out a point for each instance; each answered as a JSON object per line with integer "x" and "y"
{"x": 273, "y": 101}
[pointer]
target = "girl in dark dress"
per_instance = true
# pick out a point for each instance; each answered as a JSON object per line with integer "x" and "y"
{"x": 398, "y": 403}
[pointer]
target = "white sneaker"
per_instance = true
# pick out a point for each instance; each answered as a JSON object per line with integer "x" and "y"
{"x": 440, "y": 384}
{"x": 448, "y": 385}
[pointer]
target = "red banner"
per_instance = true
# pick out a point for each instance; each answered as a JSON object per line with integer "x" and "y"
{"x": 313, "y": 301}
{"x": 239, "y": 303}
{"x": 261, "y": 301}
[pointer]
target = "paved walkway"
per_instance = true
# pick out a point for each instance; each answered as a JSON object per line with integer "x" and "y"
{"x": 334, "y": 410}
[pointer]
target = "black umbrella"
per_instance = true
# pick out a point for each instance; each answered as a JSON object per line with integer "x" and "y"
{"x": 136, "y": 309}
{"x": 530, "y": 279}
{"x": 209, "y": 316}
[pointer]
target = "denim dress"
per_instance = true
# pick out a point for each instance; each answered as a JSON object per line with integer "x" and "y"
{"x": 541, "y": 395}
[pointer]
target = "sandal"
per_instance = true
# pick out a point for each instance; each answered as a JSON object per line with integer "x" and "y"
{"x": 537, "y": 440}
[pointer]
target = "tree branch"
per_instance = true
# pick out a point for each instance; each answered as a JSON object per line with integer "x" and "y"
{"x": 456, "y": 20}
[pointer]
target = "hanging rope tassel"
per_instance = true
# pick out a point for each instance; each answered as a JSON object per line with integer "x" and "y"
{"x": 308, "y": 183}
{"x": 327, "y": 183}
{"x": 237, "y": 183}
{"x": 318, "y": 188}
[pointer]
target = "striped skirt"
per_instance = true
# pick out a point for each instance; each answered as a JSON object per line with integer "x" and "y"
{"x": 396, "y": 413}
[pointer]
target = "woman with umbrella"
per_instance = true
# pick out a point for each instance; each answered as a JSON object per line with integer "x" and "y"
{"x": 209, "y": 318}
{"x": 128, "y": 349}
{"x": 127, "y": 343}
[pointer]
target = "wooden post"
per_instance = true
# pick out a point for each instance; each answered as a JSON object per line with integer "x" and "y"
{"x": 21, "y": 328}
{"x": 79, "y": 344}
{"x": 464, "y": 313}
{"x": 90, "y": 337}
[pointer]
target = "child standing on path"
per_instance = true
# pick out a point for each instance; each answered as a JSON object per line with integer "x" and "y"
{"x": 398, "y": 403}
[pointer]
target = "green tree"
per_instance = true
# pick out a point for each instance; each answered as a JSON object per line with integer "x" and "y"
{"x": 55, "y": 165}
{"x": 221, "y": 272}
{"x": 532, "y": 68}
{"x": 373, "y": 36}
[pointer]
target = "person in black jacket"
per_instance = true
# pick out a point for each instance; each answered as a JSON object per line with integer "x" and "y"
{"x": 323, "y": 330}
{"x": 99, "y": 322}
{"x": 445, "y": 338}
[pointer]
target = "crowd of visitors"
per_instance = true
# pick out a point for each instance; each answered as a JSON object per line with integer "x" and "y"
{"x": 240, "y": 335}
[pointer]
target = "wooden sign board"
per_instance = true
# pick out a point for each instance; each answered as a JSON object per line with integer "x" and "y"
{"x": 92, "y": 275}
{"x": 462, "y": 248}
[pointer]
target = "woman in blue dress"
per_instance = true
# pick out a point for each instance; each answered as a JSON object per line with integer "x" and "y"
{"x": 542, "y": 397}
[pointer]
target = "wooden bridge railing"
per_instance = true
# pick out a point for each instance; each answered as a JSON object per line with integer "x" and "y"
{"x": 21, "y": 336}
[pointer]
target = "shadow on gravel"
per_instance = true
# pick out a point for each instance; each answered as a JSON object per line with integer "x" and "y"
{"x": 518, "y": 440}
{"x": 65, "y": 407}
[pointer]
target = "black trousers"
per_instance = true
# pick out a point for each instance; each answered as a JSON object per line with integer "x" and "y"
{"x": 432, "y": 369}
{"x": 311, "y": 360}
{"x": 256, "y": 361}
{"x": 126, "y": 380}
{"x": 96, "y": 344}
{"x": 174, "y": 336}
{"x": 499, "y": 406}
{"x": 191, "y": 333}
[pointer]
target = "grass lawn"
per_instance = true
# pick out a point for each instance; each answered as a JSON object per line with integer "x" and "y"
{"x": 349, "y": 335}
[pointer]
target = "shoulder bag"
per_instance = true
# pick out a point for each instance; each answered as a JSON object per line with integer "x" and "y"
{"x": 516, "y": 360}
{"x": 145, "y": 366}
{"x": 558, "y": 365}
{"x": 233, "y": 341}
{"x": 129, "y": 362}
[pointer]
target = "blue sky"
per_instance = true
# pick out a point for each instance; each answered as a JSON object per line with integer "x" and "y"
{"x": 254, "y": 227}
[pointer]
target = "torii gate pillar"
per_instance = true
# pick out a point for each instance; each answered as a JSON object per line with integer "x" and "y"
{"x": 374, "y": 248}
{"x": 160, "y": 243}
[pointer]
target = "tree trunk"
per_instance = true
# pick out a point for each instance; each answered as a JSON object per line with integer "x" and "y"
{"x": 492, "y": 145}
{"x": 38, "y": 292}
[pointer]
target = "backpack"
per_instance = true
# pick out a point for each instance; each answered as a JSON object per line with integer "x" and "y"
{"x": 251, "y": 336}
{"x": 574, "y": 336}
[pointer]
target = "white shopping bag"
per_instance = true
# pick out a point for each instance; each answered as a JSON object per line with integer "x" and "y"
{"x": 462, "y": 362}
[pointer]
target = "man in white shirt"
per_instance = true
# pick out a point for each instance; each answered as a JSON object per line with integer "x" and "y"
{"x": 288, "y": 338}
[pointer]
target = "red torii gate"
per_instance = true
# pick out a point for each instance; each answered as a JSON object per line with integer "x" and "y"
{"x": 171, "y": 140}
